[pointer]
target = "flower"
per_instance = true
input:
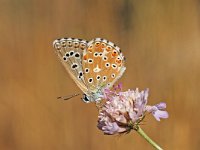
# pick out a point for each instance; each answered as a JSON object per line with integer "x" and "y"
{"x": 123, "y": 111}
{"x": 157, "y": 111}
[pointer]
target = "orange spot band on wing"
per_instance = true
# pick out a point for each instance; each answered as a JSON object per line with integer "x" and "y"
{"x": 85, "y": 57}
{"x": 118, "y": 61}
{"x": 103, "y": 45}
{"x": 108, "y": 48}
{"x": 114, "y": 53}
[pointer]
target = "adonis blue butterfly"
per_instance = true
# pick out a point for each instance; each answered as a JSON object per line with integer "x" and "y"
{"x": 93, "y": 65}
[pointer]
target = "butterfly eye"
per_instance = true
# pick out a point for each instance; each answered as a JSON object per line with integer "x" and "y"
{"x": 85, "y": 98}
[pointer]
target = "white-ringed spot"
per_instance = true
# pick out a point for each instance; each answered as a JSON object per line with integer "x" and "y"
{"x": 71, "y": 53}
{"x": 105, "y": 58}
{"x": 77, "y": 55}
{"x": 87, "y": 70}
{"x": 95, "y": 54}
{"x": 100, "y": 54}
{"x": 65, "y": 58}
{"x": 80, "y": 75}
{"x": 113, "y": 75}
{"x": 90, "y": 80}
{"x": 107, "y": 65}
{"x": 114, "y": 66}
{"x": 104, "y": 78}
{"x": 90, "y": 61}
{"x": 98, "y": 77}
{"x": 67, "y": 54}
{"x": 74, "y": 66}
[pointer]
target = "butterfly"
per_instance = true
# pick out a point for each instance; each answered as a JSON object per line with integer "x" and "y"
{"x": 93, "y": 65}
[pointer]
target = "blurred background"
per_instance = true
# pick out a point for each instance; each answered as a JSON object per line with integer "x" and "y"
{"x": 161, "y": 42}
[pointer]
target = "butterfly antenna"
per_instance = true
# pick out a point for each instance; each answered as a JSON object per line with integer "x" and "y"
{"x": 67, "y": 97}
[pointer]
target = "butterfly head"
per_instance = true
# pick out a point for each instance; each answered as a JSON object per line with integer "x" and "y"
{"x": 92, "y": 97}
{"x": 86, "y": 98}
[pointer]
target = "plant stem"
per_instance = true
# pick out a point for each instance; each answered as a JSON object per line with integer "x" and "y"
{"x": 143, "y": 134}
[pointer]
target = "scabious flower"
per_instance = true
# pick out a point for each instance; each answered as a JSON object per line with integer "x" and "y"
{"x": 124, "y": 111}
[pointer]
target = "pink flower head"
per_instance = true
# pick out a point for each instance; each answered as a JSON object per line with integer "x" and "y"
{"x": 123, "y": 111}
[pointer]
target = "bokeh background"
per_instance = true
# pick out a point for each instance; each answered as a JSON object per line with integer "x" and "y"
{"x": 161, "y": 42}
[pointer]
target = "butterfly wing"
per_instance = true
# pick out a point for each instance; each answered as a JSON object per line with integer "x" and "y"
{"x": 70, "y": 52}
{"x": 103, "y": 64}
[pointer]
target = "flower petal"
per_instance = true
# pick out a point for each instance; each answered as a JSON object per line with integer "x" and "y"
{"x": 110, "y": 128}
{"x": 160, "y": 114}
{"x": 161, "y": 105}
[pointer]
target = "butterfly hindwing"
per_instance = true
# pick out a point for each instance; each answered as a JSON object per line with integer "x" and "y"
{"x": 103, "y": 64}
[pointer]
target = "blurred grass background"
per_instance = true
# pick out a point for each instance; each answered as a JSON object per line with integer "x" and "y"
{"x": 160, "y": 39}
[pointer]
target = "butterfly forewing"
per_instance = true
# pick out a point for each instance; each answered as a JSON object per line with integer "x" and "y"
{"x": 70, "y": 52}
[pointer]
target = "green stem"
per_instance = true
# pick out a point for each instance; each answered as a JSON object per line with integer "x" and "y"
{"x": 143, "y": 134}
